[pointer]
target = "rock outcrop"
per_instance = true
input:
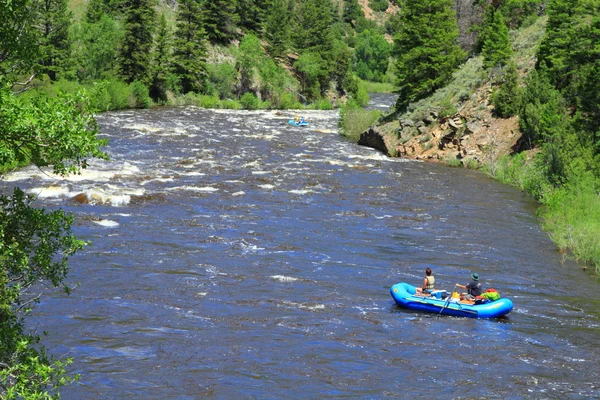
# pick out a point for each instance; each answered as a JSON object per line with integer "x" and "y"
{"x": 374, "y": 138}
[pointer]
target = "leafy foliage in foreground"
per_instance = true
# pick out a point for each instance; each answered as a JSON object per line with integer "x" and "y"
{"x": 35, "y": 245}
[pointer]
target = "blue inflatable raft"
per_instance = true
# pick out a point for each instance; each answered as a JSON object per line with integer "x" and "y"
{"x": 440, "y": 303}
{"x": 301, "y": 122}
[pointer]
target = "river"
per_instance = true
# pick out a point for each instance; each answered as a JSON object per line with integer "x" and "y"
{"x": 233, "y": 256}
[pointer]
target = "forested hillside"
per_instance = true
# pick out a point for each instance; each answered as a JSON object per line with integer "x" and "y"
{"x": 233, "y": 54}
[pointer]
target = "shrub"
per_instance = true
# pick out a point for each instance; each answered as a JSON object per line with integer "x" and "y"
{"x": 140, "y": 95}
{"x": 378, "y": 5}
{"x": 222, "y": 79}
{"x": 354, "y": 121}
{"x": 324, "y": 104}
{"x": 119, "y": 95}
{"x": 249, "y": 101}
{"x": 99, "y": 97}
{"x": 230, "y": 104}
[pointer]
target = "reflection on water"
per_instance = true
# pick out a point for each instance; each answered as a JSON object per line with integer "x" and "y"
{"x": 234, "y": 255}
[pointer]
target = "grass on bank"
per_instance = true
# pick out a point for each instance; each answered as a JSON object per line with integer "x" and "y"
{"x": 569, "y": 213}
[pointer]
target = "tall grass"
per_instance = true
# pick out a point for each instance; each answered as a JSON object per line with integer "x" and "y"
{"x": 378, "y": 87}
{"x": 571, "y": 215}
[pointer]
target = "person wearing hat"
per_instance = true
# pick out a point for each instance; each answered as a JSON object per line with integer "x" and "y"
{"x": 473, "y": 288}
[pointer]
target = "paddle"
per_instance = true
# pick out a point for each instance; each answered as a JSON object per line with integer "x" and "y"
{"x": 447, "y": 300}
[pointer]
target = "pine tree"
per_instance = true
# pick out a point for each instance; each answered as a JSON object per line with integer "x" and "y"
{"x": 94, "y": 11}
{"x": 135, "y": 54}
{"x": 189, "y": 47}
{"x": 160, "y": 61}
{"x": 220, "y": 20}
{"x": 556, "y": 47}
{"x": 507, "y": 99}
{"x": 352, "y": 12}
{"x": 277, "y": 28}
{"x": 427, "y": 48}
{"x": 54, "y": 43}
{"x": 96, "y": 8}
{"x": 253, "y": 14}
{"x": 496, "y": 49}
{"x": 313, "y": 26}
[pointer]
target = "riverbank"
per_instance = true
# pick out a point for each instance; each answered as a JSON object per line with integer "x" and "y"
{"x": 458, "y": 126}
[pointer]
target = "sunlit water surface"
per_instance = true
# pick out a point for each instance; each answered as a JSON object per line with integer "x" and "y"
{"x": 233, "y": 256}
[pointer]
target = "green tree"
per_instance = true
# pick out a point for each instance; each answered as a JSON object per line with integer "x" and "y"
{"x": 253, "y": 14}
{"x": 248, "y": 62}
{"x": 496, "y": 49}
{"x": 507, "y": 98}
{"x": 220, "y": 20}
{"x": 427, "y": 48}
{"x": 96, "y": 48}
{"x": 136, "y": 54}
{"x": 96, "y": 8}
{"x": 352, "y": 12}
{"x": 311, "y": 71}
{"x": 313, "y": 21}
{"x": 54, "y": 42}
{"x": 372, "y": 56}
{"x": 277, "y": 30}
{"x": 161, "y": 55}
{"x": 544, "y": 110}
{"x": 189, "y": 47}
{"x": 571, "y": 55}
{"x": 18, "y": 49}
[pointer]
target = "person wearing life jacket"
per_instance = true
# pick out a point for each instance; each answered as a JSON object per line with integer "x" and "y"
{"x": 428, "y": 282}
{"x": 473, "y": 288}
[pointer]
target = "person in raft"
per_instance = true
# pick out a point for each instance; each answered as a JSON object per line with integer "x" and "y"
{"x": 473, "y": 288}
{"x": 428, "y": 283}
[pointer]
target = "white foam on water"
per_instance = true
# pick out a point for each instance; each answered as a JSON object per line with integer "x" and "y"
{"x": 50, "y": 192}
{"x": 92, "y": 173}
{"x": 193, "y": 173}
{"x": 240, "y": 193}
{"x": 107, "y": 223}
{"x": 96, "y": 196}
{"x": 267, "y": 186}
{"x": 309, "y": 307}
{"x": 260, "y": 172}
{"x": 143, "y": 128}
{"x": 204, "y": 189}
{"x": 162, "y": 180}
{"x": 282, "y": 278}
{"x": 304, "y": 191}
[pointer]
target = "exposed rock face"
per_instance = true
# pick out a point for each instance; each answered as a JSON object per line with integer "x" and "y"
{"x": 375, "y": 139}
{"x": 472, "y": 135}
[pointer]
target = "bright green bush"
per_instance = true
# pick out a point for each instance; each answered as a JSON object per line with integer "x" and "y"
{"x": 140, "y": 94}
{"x": 249, "y": 101}
{"x": 229, "y": 104}
{"x": 119, "y": 95}
{"x": 222, "y": 80}
{"x": 355, "y": 120}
